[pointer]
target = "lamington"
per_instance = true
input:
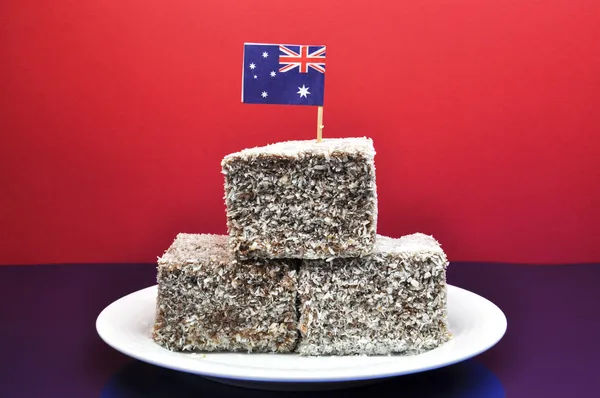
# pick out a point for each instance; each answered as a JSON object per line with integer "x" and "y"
{"x": 210, "y": 301}
{"x": 302, "y": 199}
{"x": 390, "y": 302}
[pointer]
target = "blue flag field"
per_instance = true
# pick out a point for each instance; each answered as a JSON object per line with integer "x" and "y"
{"x": 283, "y": 74}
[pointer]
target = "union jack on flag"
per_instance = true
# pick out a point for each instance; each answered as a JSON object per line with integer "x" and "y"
{"x": 283, "y": 74}
{"x": 302, "y": 59}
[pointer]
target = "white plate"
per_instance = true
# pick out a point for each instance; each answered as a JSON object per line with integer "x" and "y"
{"x": 476, "y": 324}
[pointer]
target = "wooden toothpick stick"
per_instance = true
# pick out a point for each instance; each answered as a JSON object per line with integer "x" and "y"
{"x": 320, "y": 124}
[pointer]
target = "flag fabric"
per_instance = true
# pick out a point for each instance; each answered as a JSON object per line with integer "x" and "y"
{"x": 283, "y": 74}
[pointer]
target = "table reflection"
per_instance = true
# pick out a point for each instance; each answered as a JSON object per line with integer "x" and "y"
{"x": 468, "y": 379}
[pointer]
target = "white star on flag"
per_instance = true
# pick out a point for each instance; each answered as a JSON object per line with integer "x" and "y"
{"x": 303, "y": 91}
{"x": 265, "y": 54}
{"x": 252, "y": 66}
{"x": 264, "y": 94}
{"x": 273, "y": 73}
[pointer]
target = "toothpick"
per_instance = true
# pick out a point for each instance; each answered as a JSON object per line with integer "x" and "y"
{"x": 320, "y": 124}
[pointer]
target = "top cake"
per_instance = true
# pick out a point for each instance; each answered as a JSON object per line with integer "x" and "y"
{"x": 302, "y": 199}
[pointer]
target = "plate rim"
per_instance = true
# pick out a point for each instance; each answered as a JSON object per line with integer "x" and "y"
{"x": 299, "y": 377}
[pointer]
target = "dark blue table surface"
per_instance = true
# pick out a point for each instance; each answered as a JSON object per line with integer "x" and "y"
{"x": 49, "y": 346}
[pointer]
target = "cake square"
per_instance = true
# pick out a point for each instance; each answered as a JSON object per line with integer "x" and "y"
{"x": 392, "y": 301}
{"x": 302, "y": 199}
{"x": 210, "y": 301}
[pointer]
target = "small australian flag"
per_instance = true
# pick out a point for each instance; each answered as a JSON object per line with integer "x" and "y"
{"x": 283, "y": 74}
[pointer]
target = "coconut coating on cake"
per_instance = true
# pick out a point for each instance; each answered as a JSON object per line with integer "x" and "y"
{"x": 392, "y": 301}
{"x": 302, "y": 199}
{"x": 210, "y": 301}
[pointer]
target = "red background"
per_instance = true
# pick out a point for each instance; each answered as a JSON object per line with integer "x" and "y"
{"x": 114, "y": 116}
